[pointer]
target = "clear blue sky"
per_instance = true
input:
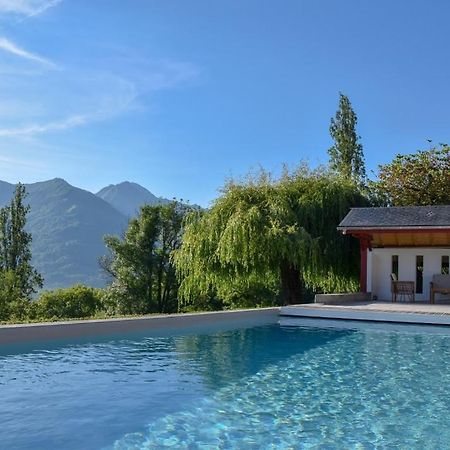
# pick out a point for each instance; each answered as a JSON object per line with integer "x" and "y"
{"x": 177, "y": 95}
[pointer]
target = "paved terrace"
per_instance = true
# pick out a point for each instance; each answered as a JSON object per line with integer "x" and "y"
{"x": 403, "y": 307}
{"x": 375, "y": 311}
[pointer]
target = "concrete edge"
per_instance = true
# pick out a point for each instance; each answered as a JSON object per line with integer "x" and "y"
{"x": 370, "y": 316}
{"x": 22, "y": 333}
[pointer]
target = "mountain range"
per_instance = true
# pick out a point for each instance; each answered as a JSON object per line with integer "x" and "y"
{"x": 68, "y": 224}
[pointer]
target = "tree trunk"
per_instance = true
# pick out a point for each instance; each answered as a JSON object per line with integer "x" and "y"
{"x": 159, "y": 289}
{"x": 291, "y": 286}
{"x": 150, "y": 289}
{"x": 165, "y": 295}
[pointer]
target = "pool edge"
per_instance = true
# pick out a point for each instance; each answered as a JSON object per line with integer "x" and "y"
{"x": 23, "y": 333}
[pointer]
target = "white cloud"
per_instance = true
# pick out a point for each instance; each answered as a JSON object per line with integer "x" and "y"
{"x": 26, "y": 8}
{"x": 10, "y": 47}
{"x": 107, "y": 97}
{"x": 11, "y": 108}
{"x": 167, "y": 74}
{"x": 76, "y": 99}
{"x": 8, "y": 162}
{"x": 33, "y": 129}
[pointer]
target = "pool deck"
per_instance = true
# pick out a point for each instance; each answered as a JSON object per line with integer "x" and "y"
{"x": 374, "y": 311}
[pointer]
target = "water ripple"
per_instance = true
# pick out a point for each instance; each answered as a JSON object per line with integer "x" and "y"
{"x": 251, "y": 388}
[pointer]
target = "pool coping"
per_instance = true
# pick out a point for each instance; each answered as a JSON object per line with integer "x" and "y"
{"x": 47, "y": 331}
{"x": 43, "y": 331}
{"x": 341, "y": 312}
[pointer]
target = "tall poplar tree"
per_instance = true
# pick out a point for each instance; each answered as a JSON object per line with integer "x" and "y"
{"x": 15, "y": 247}
{"x": 346, "y": 155}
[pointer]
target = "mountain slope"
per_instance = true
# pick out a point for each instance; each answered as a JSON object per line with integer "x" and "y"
{"x": 127, "y": 197}
{"x": 6, "y": 192}
{"x": 67, "y": 225}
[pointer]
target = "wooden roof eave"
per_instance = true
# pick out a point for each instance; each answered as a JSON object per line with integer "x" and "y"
{"x": 402, "y": 237}
{"x": 371, "y": 230}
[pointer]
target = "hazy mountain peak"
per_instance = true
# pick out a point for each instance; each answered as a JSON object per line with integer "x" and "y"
{"x": 68, "y": 224}
{"x": 127, "y": 197}
{"x": 57, "y": 183}
{"x": 53, "y": 181}
{"x": 131, "y": 184}
{"x": 125, "y": 185}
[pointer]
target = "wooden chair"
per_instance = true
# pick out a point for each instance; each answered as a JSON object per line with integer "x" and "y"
{"x": 440, "y": 285}
{"x": 405, "y": 290}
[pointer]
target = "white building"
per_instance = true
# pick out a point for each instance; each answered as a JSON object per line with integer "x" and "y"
{"x": 411, "y": 242}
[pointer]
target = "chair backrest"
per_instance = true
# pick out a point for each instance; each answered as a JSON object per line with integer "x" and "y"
{"x": 441, "y": 281}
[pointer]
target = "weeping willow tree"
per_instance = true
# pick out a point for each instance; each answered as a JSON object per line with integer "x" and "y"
{"x": 279, "y": 235}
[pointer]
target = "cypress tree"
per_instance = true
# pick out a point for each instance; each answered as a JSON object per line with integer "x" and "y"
{"x": 15, "y": 242}
{"x": 346, "y": 155}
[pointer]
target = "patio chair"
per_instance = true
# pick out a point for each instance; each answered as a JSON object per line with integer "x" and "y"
{"x": 405, "y": 290}
{"x": 440, "y": 285}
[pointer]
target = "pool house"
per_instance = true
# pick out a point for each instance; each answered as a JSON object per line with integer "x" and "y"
{"x": 410, "y": 245}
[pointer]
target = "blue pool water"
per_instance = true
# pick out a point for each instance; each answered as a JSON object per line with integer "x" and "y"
{"x": 267, "y": 386}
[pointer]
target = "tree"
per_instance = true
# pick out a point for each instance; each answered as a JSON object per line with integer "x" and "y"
{"x": 144, "y": 279}
{"x": 277, "y": 234}
{"x": 15, "y": 247}
{"x": 421, "y": 178}
{"x": 346, "y": 155}
{"x": 10, "y": 295}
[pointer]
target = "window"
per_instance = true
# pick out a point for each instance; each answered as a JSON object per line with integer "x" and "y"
{"x": 394, "y": 267}
{"x": 419, "y": 274}
{"x": 445, "y": 265}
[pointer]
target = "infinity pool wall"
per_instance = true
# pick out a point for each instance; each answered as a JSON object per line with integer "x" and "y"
{"x": 28, "y": 333}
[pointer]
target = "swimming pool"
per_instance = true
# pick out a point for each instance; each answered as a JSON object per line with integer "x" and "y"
{"x": 300, "y": 385}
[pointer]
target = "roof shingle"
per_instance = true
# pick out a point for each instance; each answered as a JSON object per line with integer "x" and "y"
{"x": 397, "y": 217}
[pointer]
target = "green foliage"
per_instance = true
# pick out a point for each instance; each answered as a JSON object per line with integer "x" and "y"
{"x": 274, "y": 235}
{"x": 15, "y": 242}
{"x": 346, "y": 155}
{"x": 10, "y": 293}
{"x": 22, "y": 311}
{"x": 18, "y": 279}
{"x": 13, "y": 307}
{"x": 249, "y": 292}
{"x": 75, "y": 302}
{"x": 144, "y": 278}
{"x": 421, "y": 178}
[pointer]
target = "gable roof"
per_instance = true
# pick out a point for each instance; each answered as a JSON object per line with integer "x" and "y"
{"x": 397, "y": 217}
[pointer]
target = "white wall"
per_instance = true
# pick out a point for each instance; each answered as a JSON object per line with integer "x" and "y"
{"x": 381, "y": 261}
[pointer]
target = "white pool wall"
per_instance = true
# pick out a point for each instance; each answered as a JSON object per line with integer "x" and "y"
{"x": 22, "y": 333}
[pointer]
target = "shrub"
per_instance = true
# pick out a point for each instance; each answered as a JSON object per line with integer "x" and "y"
{"x": 75, "y": 302}
{"x": 22, "y": 310}
{"x": 10, "y": 295}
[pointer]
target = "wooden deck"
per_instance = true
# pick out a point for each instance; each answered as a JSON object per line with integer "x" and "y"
{"x": 375, "y": 311}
